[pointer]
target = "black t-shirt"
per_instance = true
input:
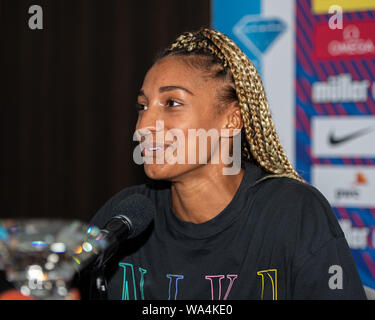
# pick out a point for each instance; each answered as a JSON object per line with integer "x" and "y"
{"x": 277, "y": 239}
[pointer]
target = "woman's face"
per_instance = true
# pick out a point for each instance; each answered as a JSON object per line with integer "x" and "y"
{"x": 174, "y": 99}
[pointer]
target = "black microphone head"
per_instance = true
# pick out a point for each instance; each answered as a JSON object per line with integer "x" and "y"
{"x": 138, "y": 210}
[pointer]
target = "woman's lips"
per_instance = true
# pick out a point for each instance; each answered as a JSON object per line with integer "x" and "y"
{"x": 152, "y": 150}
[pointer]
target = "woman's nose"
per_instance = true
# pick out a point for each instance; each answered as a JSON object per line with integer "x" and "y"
{"x": 149, "y": 122}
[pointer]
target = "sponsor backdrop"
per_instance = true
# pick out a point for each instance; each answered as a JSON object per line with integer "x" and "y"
{"x": 318, "y": 68}
{"x": 335, "y": 109}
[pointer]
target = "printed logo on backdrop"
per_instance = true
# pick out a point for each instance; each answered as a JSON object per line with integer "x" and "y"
{"x": 353, "y": 40}
{"x": 349, "y": 136}
{"x": 257, "y": 34}
{"x": 335, "y": 140}
{"x": 346, "y": 186}
{"x": 340, "y": 88}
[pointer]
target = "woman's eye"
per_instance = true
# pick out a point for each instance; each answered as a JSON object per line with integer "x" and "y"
{"x": 140, "y": 107}
{"x": 172, "y": 103}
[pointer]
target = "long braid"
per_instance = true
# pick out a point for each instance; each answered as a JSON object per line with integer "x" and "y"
{"x": 262, "y": 142}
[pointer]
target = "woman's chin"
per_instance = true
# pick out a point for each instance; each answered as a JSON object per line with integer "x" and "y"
{"x": 157, "y": 171}
{"x": 166, "y": 171}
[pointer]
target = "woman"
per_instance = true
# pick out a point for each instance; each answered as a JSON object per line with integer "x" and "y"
{"x": 258, "y": 233}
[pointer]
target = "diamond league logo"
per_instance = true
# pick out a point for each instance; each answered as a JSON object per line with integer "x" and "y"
{"x": 257, "y": 33}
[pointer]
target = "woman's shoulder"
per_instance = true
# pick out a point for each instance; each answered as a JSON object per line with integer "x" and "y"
{"x": 291, "y": 191}
{"x": 277, "y": 187}
{"x": 300, "y": 206}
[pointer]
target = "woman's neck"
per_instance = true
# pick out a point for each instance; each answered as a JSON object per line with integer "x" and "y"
{"x": 200, "y": 198}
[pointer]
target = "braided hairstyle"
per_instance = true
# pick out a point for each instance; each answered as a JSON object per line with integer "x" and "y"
{"x": 221, "y": 58}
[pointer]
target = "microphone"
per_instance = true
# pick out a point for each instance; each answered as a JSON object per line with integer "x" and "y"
{"x": 131, "y": 217}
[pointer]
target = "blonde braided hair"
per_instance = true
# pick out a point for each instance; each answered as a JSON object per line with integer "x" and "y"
{"x": 261, "y": 140}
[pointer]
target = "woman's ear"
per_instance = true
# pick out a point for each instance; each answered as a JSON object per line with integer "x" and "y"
{"x": 233, "y": 120}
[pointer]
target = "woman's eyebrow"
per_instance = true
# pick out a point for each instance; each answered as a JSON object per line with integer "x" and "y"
{"x": 141, "y": 93}
{"x": 170, "y": 88}
{"x": 165, "y": 89}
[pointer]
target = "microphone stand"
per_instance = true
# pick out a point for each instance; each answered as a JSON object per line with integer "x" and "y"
{"x": 98, "y": 281}
{"x": 116, "y": 229}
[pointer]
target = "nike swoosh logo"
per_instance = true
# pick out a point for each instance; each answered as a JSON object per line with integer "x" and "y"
{"x": 334, "y": 140}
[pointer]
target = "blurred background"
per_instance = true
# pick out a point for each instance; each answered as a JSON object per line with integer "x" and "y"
{"x": 71, "y": 70}
{"x": 68, "y": 98}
